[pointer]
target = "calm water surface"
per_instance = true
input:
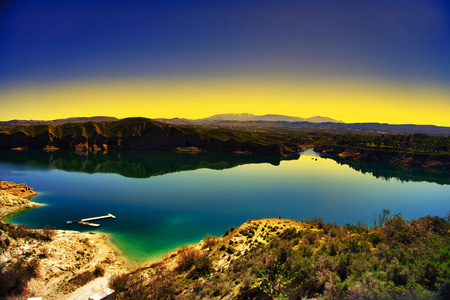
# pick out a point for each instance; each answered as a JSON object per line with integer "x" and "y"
{"x": 165, "y": 199}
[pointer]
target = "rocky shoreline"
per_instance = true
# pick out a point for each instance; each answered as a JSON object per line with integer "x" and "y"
{"x": 15, "y": 197}
{"x": 54, "y": 264}
{"x": 391, "y": 156}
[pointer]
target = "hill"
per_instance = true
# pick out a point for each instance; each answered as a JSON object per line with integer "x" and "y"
{"x": 139, "y": 134}
{"x": 261, "y": 259}
{"x": 13, "y": 123}
{"x": 286, "y": 259}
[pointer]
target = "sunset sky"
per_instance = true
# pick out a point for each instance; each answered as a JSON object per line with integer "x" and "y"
{"x": 356, "y": 61}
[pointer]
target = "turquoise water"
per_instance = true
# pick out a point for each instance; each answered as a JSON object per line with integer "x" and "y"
{"x": 165, "y": 199}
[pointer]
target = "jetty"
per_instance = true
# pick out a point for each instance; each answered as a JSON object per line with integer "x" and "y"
{"x": 87, "y": 221}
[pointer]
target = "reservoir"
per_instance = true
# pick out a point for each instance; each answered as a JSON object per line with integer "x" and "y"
{"x": 162, "y": 200}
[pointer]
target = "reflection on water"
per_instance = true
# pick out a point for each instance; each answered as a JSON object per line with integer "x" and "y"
{"x": 192, "y": 198}
{"x": 135, "y": 164}
{"x": 389, "y": 171}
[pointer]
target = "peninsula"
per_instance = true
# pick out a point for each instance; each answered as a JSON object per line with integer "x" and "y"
{"x": 15, "y": 197}
{"x": 46, "y": 262}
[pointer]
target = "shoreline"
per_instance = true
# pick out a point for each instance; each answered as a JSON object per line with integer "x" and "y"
{"x": 66, "y": 261}
{"x": 15, "y": 198}
{"x": 9, "y": 212}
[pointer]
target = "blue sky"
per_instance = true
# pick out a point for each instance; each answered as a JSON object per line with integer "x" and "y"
{"x": 55, "y": 42}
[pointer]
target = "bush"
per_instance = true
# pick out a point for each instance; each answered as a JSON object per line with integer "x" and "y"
{"x": 130, "y": 286}
{"x": 187, "y": 256}
{"x": 99, "y": 271}
{"x": 375, "y": 238}
{"x": 209, "y": 241}
{"x": 82, "y": 279}
{"x": 48, "y": 233}
{"x": 310, "y": 237}
{"x": 14, "y": 279}
{"x": 202, "y": 267}
{"x": 231, "y": 250}
{"x": 290, "y": 234}
{"x": 119, "y": 282}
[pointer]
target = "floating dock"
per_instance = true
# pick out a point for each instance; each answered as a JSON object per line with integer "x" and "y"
{"x": 87, "y": 220}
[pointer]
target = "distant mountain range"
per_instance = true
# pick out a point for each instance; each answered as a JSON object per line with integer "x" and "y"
{"x": 246, "y": 121}
{"x": 55, "y": 122}
{"x": 246, "y": 117}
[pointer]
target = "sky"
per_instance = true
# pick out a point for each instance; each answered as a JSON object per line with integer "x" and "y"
{"x": 382, "y": 61}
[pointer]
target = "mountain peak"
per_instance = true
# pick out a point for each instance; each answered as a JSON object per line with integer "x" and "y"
{"x": 244, "y": 117}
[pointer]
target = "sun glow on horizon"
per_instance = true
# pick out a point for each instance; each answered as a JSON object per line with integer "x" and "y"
{"x": 347, "y": 99}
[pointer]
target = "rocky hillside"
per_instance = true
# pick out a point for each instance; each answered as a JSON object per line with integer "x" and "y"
{"x": 14, "y": 197}
{"x": 52, "y": 263}
{"x": 138, "y": 134}
{"x": 286, "y": 259}
{"x": 45, "y": 262}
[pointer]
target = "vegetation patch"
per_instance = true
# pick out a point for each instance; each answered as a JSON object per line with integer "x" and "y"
{"x": 312, "y": 259}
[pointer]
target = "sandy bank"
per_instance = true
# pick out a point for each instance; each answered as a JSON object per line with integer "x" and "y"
{"x": 66, "y": 260}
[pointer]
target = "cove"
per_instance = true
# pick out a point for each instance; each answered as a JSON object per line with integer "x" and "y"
{"x": 164, "y": 199}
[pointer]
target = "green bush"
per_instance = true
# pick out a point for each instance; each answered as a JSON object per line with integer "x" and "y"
{"x": 230, "y": 250}
{"x": 202, "y": 267}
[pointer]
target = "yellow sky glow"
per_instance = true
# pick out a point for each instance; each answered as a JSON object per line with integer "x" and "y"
{"x": 349, "y": 100}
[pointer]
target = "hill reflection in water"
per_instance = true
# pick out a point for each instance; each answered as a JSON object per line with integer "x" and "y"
{"x": 388, "y": 171}
{"x": 136, "y": 164}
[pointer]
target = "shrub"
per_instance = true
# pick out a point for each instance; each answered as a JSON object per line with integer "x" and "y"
{"x": 130, "y": 286}
{"x": 209, "y": 241}
{"x": 310, "y": 237}
{"x": 99, "y": 271}
{"x": 231, "y": 250}
{"x": 290, "y": 234}
{"x": 82, "y": 279}
{"x": 14, "y": 278}
{"x": 187, "y": 256}
{"x": 333, "y": 249}
{"x": 119, "y": 282}
{"x": 202, "y": 267}
{"x": 375, "y": 238}
{"x": 48, "y": 233}
{"x": 353, "y": 246}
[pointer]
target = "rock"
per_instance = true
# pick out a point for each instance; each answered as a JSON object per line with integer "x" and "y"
{"x": 20, "y": 190}
{"x": 14, "y": 197}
